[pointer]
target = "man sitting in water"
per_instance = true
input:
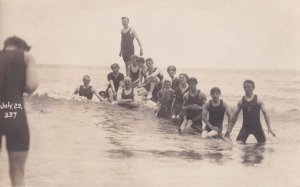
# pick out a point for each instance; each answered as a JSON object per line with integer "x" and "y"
{"x": 172, "y": 73}
{"x": 165, "y": 99}
{"x": 127, "y": 96}
{"x": 86, "y": 90}
{"x": 216, "y": 109}
{"x": 115, "y": 80}
{"x": 193, "y": 102}
{"x": 251, "y": 106}
{"x": 133, "y": 71}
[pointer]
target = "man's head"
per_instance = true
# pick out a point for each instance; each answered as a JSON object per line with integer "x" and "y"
{"x": 134, "y": 59}
{"x": 86, "y": 80}
{"x": 183, "y": 78}
{"x": 171, "y": 71}
{"x": 249, "y": 86}
{"x": 125, "y": 21}
{"x": 127, "y": 82}
{"x": 149, "y": 62}
{"x": 167, "y": 83}
{"x": 115, "y": 67}
{"x": 16, "y": 43}
{"x": 215, "y": 93}
{"x": 141, "y": 61}
{"x": 192, "y": 83}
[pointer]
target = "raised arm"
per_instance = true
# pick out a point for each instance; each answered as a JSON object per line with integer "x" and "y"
{"x": 139, "y": 42}
{"x": 234, "y": 118}
{"x": 31, "y": 83}
{"x": 266, "y": 116}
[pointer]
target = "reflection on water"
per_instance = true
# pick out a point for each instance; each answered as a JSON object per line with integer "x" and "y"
{"x": 252, "y": 154}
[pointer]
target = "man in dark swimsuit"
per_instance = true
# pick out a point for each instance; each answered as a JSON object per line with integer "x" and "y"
{"x": 177, "y": 112}
{"x": 172, "y": 73}
{"x": 127, "y": 96}
{"x": 251, "y": 106}
{"x": 115, "y": 80}
{"x": 86, "y": 90}
{"x": 134, "y": 71}
{"x": 17, "y": 75}
{"x": 127, "y": 37}
{"x": 193, "y": 102}
{"x": 216, "y": 109}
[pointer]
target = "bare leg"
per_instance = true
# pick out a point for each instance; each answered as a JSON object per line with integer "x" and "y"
{"x": 184, "y": 124}
{"x": 189, "y": 124}
{"x": 126, "y": 66}
{"x": 212, "y": 134}
{"x": 204, "y": 134}
{"x": 150, "y": 94}
{"x": 17, "y": 161}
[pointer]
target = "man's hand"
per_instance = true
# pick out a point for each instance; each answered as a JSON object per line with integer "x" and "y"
{"x": 141, "y": 52}
{"x": 271, "y": 132}
{"x": 120, "y": 54}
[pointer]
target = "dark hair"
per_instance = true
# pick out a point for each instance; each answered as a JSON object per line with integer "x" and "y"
{"x": 149, "y": 59}
{"x": 114, "y": 64}
{"x": 184, "y": 74}
{"x": 17, "y": 42}
{"x": 215, "y": 89}
{"x": 192, "y": 80}
{"x": 249, "y": 81}
{"x": 125, "y": 18}
{"x": 171, "y": 67}
{"x": 134, "y": 56}
{"x": 141, "y": 59}
{"x": 86, "y": 76}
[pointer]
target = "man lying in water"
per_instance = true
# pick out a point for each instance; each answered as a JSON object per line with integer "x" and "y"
{"x": 215, "y": 109}
{"x": 86, "y": 90}
{"x": 127, "y": 96}
{"x": 251, "y": 106}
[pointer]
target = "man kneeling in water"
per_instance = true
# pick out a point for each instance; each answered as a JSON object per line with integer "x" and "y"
{"x": 251, "y": 106}
{"x": 127, "y": 96}
{"x": 216, "y": 109}
{"x": 165, "y": 99}
{"x": 86, "y": 90}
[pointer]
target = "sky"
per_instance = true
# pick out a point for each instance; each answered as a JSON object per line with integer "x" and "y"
{"x": 231, "y": 34}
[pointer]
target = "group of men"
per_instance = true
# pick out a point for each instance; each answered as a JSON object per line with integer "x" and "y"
{"x": 176, "y": 98}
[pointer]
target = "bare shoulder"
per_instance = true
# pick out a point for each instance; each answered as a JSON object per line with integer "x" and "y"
{"x": 259, "y": 101}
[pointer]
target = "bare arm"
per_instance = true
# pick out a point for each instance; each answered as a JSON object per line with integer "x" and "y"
{"x": 76, "y": 91}
{"x": 155, "y": 73}
{"x": 234, "y": 118}
{"x": 31, "y": 83}
{"x": 266, "y": 116}
{"x": 97, "y": 95}
{"x": 228, "y": 113}
{"x": 112, "y": 86}
{"x": 120, "y": 54}
{"x": 139, "y": 42}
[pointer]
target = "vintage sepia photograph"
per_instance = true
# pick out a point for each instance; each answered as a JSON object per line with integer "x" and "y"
{"x": 149, "y": 93}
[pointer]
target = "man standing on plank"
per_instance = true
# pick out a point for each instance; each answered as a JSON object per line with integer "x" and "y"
{"x": 127, "y": 47}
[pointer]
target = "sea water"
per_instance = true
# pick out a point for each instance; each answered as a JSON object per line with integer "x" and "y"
{"x": 87, "y": 143}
